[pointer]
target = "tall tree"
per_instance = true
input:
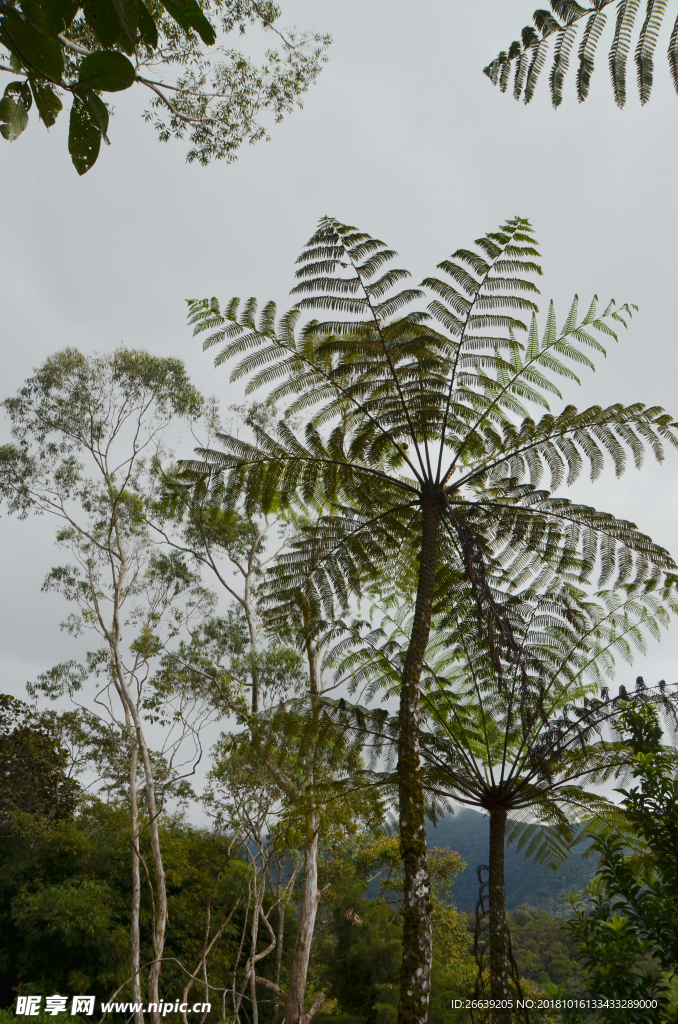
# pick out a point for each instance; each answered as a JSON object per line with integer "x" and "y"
{"x": 199, "y": 87}
{"x": 421, "y": 454}
{"x": 277, "y": 639}
{"x": 87, "y": 432}
{"x": 193, "y": 519}
{"x": 517, "y": 729}
{"x": 292, "y": 745}
{"x": 526, "y": 56}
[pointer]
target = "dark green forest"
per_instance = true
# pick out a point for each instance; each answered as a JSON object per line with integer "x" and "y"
{"x": 526, "y": 882}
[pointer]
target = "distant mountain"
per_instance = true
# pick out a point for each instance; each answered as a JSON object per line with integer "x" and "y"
{"x": 468, "y": 832}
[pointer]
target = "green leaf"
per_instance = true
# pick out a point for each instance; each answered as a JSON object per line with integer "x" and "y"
{"x": 14, "y": 116}
{"x": 128, "y": 13}
{"x": 147, "y": 27}
{"x": 35, "y": 50}
{"x": 47, "y": 102}
{"x": 50, "y": 16}
{"x": 14, "y": 107}
{"x": 107, "y": 70}
{"x": 188, "y": 14}
{"x": 84, "y": 137}
{"x": 21, "y": 91}
{"x": 98, "y": 110}
{"x": 58, "y": 14}
{"x": 103, "y": 19}
{"x": 33, "y": 10}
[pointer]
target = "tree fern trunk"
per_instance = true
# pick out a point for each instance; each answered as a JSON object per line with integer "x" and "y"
{"x": 499, "y": 989}
{"x": 415, "y": 976}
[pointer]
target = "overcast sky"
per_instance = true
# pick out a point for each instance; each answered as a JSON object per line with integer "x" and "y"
{"x": 403, "y": 136}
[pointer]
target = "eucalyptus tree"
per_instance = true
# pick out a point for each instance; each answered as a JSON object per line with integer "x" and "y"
{"x": 235, "y": 548}
{"x": 311, "y": 773}
{"x": 87, "y": 434}
{"x": 420, "y": 454}
{"x": 526, "y": 57}
{"x": 176, "y": 50}
{"x": 289, "y": 741}
{"x": 276, "y": 652}
{"x": 519, "y": 727}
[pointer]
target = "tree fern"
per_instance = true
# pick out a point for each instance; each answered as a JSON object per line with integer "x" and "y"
{"x": 420, "y": 461}
{"x": 526, "y": 58}
{"x": 518, "y": 726}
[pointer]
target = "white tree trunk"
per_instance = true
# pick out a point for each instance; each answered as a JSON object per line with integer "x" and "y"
{"x": 136, "y": 882}
{"x": 296, "y": 991}
{"x": 154, "y": 835}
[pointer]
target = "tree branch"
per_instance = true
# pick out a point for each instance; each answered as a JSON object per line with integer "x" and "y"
{"x": 314, "y": 1009}
{"x": 75, "y": 47}
{"x": 272, "y": 987}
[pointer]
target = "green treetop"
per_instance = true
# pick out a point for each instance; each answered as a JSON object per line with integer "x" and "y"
{"x": 198, "y": 87}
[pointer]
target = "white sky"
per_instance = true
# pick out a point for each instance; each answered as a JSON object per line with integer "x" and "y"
{"x": 402, "y": 136}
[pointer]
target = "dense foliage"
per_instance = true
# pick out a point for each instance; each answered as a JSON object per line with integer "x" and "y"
{"x": 175, "y": 49}
{"x": 66, "y": 890}
{"x": 627, "y": 927}
{"x": 545, "y": 950}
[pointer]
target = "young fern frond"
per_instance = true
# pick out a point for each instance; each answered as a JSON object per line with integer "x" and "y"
{"x": 527, "y": 56}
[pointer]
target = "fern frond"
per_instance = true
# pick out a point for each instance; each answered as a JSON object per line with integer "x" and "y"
{"x": 529, "y": 54}
{"x": 647, "y": 42}
{"x": 561, "y": 62}
{"x": 587, "y": 52}
{"x": 673, "y": 55}
{"x": 621, "y": 43}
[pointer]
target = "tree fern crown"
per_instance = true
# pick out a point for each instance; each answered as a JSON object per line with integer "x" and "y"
{"x": 426, "y": 394}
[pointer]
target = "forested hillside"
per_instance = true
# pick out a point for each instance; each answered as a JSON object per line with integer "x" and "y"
{"x": 467, "y": 832}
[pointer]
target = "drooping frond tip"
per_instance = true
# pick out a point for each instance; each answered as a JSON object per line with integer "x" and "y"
{"x": 525, "y": 58}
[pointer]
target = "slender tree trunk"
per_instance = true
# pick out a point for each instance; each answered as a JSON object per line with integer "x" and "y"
{"x": 160, "y": 882}
{"x": 132, "y": 710}
{"x": 296, "y": 990}
{"x": 415, "y": 975}
{"x": 254, "y": 1006}
{"x": 499, "y": 989}
{"x": 154, "y": 836}
{"x": 279, "y": 938}
{"x": 255, "y": 667}
{"x": 136, "y": 882}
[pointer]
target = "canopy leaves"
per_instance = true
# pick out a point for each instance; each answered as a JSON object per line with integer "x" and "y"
{"x": 176, "y": 49}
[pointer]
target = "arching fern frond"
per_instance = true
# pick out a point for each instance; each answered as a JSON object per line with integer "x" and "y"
{"x": 526, "y": 57}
